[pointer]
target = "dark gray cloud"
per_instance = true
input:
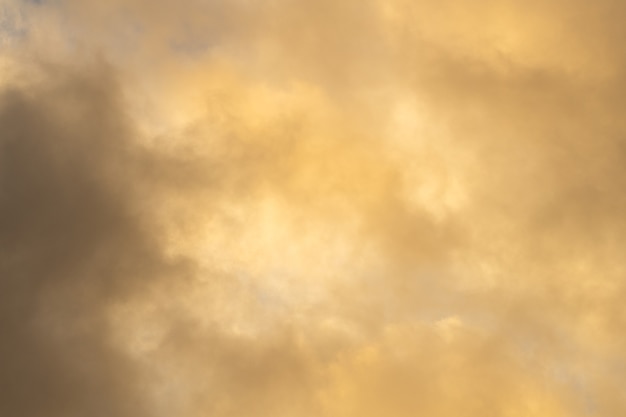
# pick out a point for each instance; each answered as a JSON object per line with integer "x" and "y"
{"x": 72, "y": 240}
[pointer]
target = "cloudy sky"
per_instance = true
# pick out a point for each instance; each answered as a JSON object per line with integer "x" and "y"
{"x": 312, "y": 208}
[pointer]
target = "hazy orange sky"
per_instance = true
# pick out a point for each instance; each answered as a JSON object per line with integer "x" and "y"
{"x": 312, "y": 208}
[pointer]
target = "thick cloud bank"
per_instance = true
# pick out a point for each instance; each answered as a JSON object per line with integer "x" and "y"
{"x": 298, "y": 208}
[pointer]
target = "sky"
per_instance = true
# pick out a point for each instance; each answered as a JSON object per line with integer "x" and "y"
{"x": 298, "y": 208}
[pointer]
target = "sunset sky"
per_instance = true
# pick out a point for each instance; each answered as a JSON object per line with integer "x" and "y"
{"x": 312, "y": 208}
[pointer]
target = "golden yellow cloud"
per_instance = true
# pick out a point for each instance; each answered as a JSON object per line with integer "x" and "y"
{"x": 297, "y": 208}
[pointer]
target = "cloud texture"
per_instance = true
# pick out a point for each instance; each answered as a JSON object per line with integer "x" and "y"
{"x": 312, "y": 208}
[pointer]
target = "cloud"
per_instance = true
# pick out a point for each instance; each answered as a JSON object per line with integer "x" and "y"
{"x": 295, "y": 208}
{"x": 71, "y": 243}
